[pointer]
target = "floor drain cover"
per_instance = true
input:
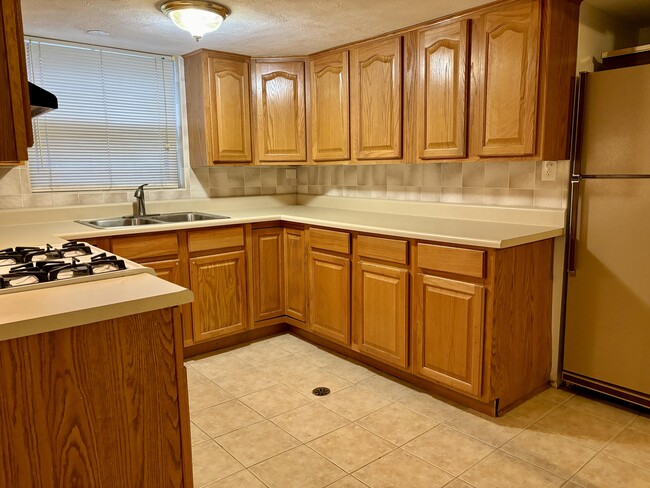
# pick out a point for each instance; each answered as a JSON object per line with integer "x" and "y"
{"x": 321, "y": 391}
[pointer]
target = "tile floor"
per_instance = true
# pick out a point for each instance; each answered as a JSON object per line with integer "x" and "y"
{"x": 255, "y": 423}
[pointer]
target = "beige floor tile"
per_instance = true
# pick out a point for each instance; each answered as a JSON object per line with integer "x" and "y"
{"x": 257, "y": 442}
{"x": 631, "y": 446}
{"x": 605, "y": 471}
{"x": 532, "y": 410}
{"x": 318, "y": 356}
{"x": 225, "y": 417}
{"x": 351, "y": 447}
{"x": 550, "y": 451}
{"x": 206, "y": 395}
{"x": 194, "y": 377}
{"x": 403, "y": 470}
{"x": 430, "y": 406}
{"x": 582, "y": 427}
{"x": 305, "y": 383}
{"x": 390, "y": 388}
{"x": 349, "y": 370}
{"x": 291, "y": 343}
{"x": 555, "y": 395}
{"x": 283, "y": 368}
{"x": 397, "y": 424}
{"x": 245, "y": 382}
{"x": 275, "y": 400}
{"x": 298, "y": 468}
{"x": 568, "y": 484}
{"x": 210, "y": 462}
{"x": 458, "y": 483}
{"x": 197, "y": 435}
{"x": 493, "y": 431}
{"x": 601, "y": 409}
{"x": 347, "y": 482}
{"x": 449, "y": 449}
{"x": 219, "y": 365}
{"x": 500, "y": 470}
{"x": 309, "y": 422}
{"x": 242, "y": 479}
{"x": 260, "y": 352}
{"x": 354, "y": 402}
{"x": 641, "y": 424}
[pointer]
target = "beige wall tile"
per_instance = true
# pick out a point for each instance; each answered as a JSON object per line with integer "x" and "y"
{"x": 497, "y": 175}
{"x": 11, "y": 201}
{"x": 473, "y": 175}
{"x": 520, "y": 198}
{"x": 10, "y": 181}
{"x": 495, "y": 196}
{"x": 473, "y": 196}
{"x": 451, "y": 174}
{"x": 91, "y": 198}
{"x": 395, "y": 175}
{"x": 522, "y": 174}
{"x": 431, "y": 175}
{"x": 413, "y": 175}
{"x": 451, "y": 195}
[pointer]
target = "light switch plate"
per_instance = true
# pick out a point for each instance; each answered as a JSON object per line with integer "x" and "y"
{"x": 291, "y": 174}
{"x": 549, "y": 171}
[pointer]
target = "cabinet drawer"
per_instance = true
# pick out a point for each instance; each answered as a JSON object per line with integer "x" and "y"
{"x": 216, "y": 238}
{"x": 330, "y": 240}
{"x": 150, "y": 246}
{"x": 468, "y": 262}
{"x": 391, "y": 250}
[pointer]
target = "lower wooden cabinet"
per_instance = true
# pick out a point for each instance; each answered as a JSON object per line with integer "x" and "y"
{"x": 329, "y": 296}
{"x": 295, "y": 275}
{"x": 268, "y": 273}
{"x": 380, "y": 312}
{"x": 219, "y": 285}
{"x": 449, "y": 333}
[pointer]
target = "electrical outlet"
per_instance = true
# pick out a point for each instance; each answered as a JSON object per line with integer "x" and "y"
{"x": 291, "y": 174}
{"x": 549, "y": 171}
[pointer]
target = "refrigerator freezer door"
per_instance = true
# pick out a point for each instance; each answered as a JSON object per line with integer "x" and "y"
{"x": 607, "y": 329}
{"x": 616, "y": 130}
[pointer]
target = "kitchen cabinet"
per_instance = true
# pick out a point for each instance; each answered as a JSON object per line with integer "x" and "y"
{"x": 330, "y": 107}
{"x": 268, "y": 273}
{"x": 280, "y": 111}
{"x": 295, "y": 274}
{"x": 15, "y": 112}
{"x": 505, "y": 59}
{"x": 376, "y": 99}
{"x": 442, "y": 71}
{"x": 218, "y": 108}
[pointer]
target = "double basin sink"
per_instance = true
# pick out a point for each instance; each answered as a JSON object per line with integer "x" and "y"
{"x": 170, "y": 218}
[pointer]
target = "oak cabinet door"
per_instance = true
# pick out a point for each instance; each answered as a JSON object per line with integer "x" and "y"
{"x": 505, "y": 68}
{"x": 268, "y": 267}
{"x": 376, "y": 99}
{"x": 295, "y": 255}
{"x": 381, "y": 312}
{"x": 230, "y": 110}
{"x": 448, "y": 347}
{"x": 330, "y": 112}
{"x": 442, "y": 91}
{"x": 219, "y": 286}
{"x": 329, "y": 296}
{"x": 280, "y": 107}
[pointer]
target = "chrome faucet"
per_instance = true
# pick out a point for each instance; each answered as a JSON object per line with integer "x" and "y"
{"x": 139, "y": 198}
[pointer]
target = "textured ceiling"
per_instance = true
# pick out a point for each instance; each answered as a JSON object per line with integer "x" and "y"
{"x": 255, "y": 27}
{"x": 633, "y": 11}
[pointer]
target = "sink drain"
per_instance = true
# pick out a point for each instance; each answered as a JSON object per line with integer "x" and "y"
{"x": 321, "y": 391}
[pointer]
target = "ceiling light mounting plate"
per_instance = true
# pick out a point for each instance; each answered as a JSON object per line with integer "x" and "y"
{"x": 198, "y": 17}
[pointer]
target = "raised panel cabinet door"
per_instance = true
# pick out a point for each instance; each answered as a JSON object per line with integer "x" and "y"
{"x": 376, "y": 99}
{"x": 381, "y": 312}
{"x": 442, "y": 91}
{"x": 329, "y": 296}
{"x": 219, "y": 286}
{"x": 268, "y": 273}
{"x": 230, "y": 116}
{"x": 505, "y": 68}
{"x": 280, "y": 96}
{"x": 295, "y": 259}
{"x": 330, "y": 107}
{"x": 448, "y": 346}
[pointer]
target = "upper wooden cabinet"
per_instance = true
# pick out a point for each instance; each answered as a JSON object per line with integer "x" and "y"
{"x": 15, "y": 113}
{"x": 280, "y": 106}
{"x": 218, "y": 108}
{"x": 506, "y": 50}
{"x": 442, "y": 91}
{"x": 376, "y": 99}
{"x": 330, "y": 107}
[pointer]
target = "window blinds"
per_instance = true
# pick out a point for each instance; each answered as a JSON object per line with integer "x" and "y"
{"x": 117, "y": 122}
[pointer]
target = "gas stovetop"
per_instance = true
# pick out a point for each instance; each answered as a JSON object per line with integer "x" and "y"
{"x": 27, "y": 268}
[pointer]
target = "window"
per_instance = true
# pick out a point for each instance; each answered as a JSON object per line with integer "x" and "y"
{"x": 117, "y": 125}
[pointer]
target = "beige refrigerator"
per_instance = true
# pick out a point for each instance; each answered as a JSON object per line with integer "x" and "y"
{"x": 607, "y": 302}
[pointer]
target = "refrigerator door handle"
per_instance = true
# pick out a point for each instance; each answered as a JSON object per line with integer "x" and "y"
{"x": 573, "y": 226}
{"x": 577, "y": 124}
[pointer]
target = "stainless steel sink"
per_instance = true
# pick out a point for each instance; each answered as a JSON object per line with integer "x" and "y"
{"x": 151, "y": 219}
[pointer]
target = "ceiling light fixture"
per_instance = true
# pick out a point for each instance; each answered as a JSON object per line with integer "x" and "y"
{"x": 195, "y": 16}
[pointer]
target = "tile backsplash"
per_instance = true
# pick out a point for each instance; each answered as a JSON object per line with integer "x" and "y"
{"x": 517, "y": 184}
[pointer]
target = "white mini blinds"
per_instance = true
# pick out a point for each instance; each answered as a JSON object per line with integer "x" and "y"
{"x": 117, "y": 122}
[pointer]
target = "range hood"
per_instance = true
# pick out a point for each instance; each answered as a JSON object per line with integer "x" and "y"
{"x": 41, "y": 100}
